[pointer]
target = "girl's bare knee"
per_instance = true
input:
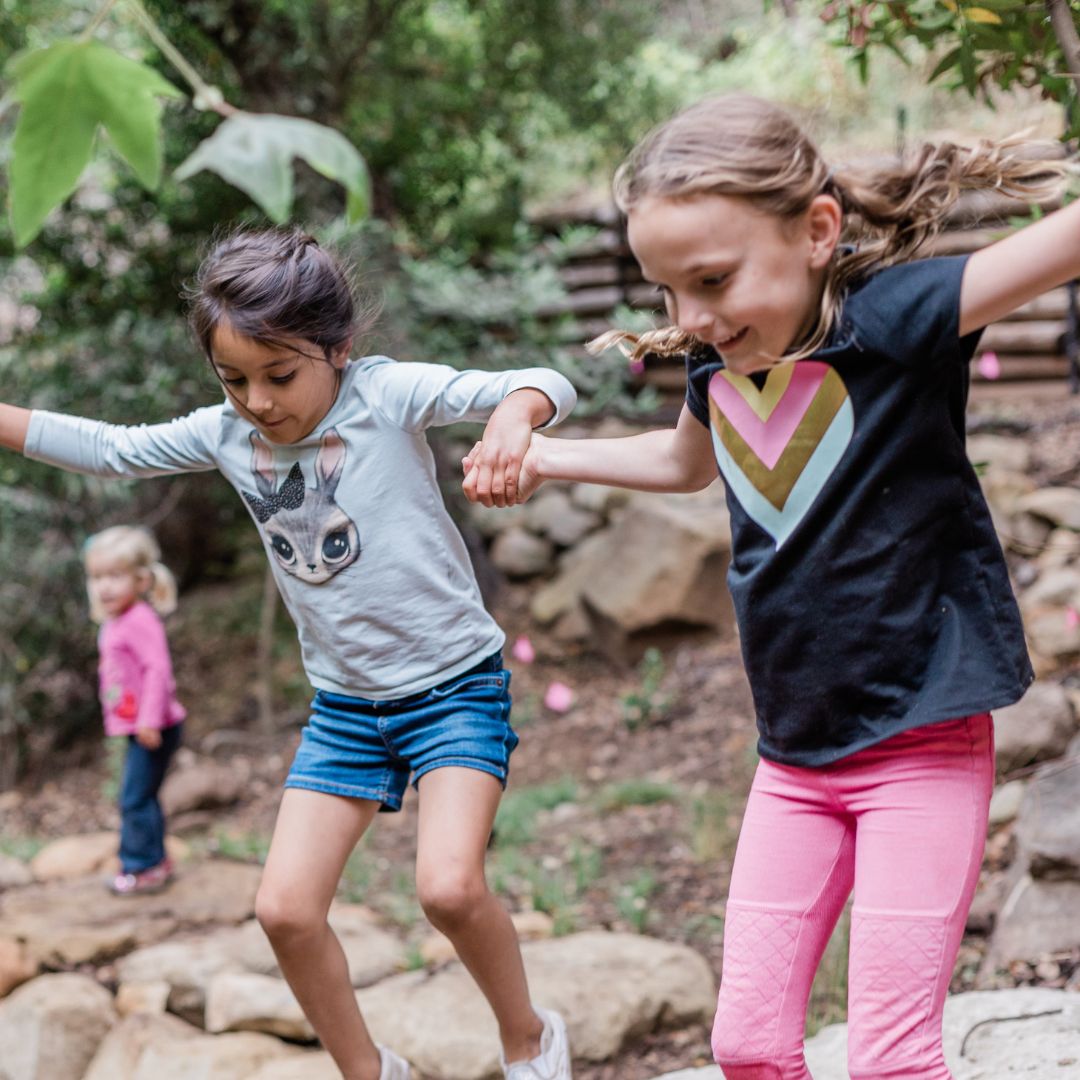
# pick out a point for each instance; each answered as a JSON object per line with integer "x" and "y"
{"x": 283, "y": 917}
{"x": 449, "y": 899}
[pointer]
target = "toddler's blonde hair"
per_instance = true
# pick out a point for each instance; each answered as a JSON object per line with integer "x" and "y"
{"x": 741, "y": 145}
{"x": 135, "y": 547}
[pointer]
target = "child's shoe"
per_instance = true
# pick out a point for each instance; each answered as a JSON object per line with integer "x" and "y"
{"x": 393, "y": 1067}
{"x": 151, "y": 880}
{"x": 553, "y": 1061}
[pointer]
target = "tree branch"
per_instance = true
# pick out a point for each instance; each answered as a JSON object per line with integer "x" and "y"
{"x": 1065, "y": 31}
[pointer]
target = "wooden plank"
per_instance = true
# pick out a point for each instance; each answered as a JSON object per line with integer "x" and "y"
{"x": 584, "y": 275}
{"x": 1023, "y": 337}
{"x": 1027, "y": 367}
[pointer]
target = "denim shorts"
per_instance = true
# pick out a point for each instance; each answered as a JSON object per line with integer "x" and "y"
{"x": 367, "y": 749}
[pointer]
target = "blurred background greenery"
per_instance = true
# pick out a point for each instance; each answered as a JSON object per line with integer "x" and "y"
{"x": 477, "y": 119}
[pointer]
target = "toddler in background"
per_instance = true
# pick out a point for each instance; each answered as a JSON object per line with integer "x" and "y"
{"x": 129, "y": 591}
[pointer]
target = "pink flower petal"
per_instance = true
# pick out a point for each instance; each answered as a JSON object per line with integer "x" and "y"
{"x": 990, "y": 365}
{"x": 523, "y": 650}
{"x": 559, "y": 697}
{"x": 1072, "y": 618}
{"x": 636, "y": 366}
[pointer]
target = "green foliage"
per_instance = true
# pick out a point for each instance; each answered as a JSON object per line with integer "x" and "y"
{"x": 632, "y": 900}
{"x": 497, "y": 315}
{"x": 255, "y": 154}
{"x": 115, "y": 754}
{"x": 643, "y": 792}
{"x": 992, "y": 43}
{"x": 240, "y": 846}
{"x": 71, "y": 88}
{"x": 23, "y": 848}
{"x": 647, "y": 704}
{"x": 67, "y": 92}
{"x": 715, "y": 826}
{"x": 515, "y": 820}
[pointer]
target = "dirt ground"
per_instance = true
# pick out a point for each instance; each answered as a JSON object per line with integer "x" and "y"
{"x": 618, "y": 815}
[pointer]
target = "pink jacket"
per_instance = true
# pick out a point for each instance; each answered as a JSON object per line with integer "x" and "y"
{"x": 135, "y": 671}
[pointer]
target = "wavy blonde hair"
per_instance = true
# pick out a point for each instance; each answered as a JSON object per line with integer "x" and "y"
{"x": 741, "y": 145}
{"x": 136, "y": 548}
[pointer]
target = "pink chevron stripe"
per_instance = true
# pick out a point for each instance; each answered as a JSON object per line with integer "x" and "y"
{"x": 769, "y": 438}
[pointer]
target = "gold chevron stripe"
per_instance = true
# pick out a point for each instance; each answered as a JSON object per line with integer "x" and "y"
{"x": 762, "y": 401}
{"x": 776, "y": 484}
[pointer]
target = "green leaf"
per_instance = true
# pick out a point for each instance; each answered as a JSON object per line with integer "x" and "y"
{"x": 254, "y": 152}
{"x": 66, "y": 92}
{"x": 947, "y": 61}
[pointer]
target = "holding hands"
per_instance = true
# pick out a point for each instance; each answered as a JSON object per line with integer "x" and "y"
{"x": 500, "y": 470}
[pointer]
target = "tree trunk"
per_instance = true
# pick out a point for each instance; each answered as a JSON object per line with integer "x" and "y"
{"x": 264, "y": 655}
{"x": 1067, "y": 37}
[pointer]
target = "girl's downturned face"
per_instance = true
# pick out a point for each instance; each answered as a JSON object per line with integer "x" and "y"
{"x": 114, "y": 584}
{"x": 283, "y": 390}
{"x": 737, "y": 278}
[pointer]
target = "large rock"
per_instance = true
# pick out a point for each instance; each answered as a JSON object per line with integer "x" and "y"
{"x": 73, "y": 922}
{"x": 189, "y": 965}
{"x": 662, "y": 565}
{"x": 51, "y": 1027}
{"x": 203, "y": 785}
{"x": 165, "y": 1048}
{"x": 314, "y": 1065}
{"x": 13, "y": 872}
{"x": 75, "y": 856}
{"x": 1048, "y": 826}
{"x": 1058, "y": 505}
{"x": 255, "y": 1003}
{"x": 987, "y": 1036}
{"x": 999, "y": 452}
{"x": 1036, "y": 917}
{"x": 594, "y": 979}
{"x": 16, "y": 965}
{"x": 519, "y": 553}
{"x": 1037, "y": 727}
{"x": 78, "y": 856}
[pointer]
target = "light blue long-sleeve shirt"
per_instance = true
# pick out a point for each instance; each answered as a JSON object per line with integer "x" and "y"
{"x": 369, "y": 563}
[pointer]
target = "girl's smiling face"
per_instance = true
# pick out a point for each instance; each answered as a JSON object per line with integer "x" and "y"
{"x": 742, "y": 280}
{"x": 284, "y": 390}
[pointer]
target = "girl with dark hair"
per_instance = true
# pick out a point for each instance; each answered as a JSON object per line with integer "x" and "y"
{"x": 331, "y": 458}
{"x": 828, "y": 381}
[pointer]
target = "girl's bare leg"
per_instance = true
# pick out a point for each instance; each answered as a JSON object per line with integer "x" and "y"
{"x": 457, "y": 809}
{"x": 313, "y": 837}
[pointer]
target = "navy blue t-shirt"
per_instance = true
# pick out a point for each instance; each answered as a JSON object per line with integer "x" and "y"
{"x": 869, "y": 586}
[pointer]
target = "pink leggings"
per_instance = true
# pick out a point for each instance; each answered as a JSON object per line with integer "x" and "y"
{"x": 902, "y": 823}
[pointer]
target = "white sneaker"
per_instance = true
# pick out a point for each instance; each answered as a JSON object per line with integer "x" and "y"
{"x": 393, "y": 1067}
{"x": 553, "y": 1062}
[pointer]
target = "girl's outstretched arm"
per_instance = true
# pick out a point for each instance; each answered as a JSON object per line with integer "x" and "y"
{"x": 1000, "y": 278}
{"x": 674, "y": 459}
{"x": 14, "y": 423}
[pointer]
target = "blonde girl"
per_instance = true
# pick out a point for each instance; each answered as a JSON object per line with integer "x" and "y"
{"x": 129, "y": 591}
{"x": 827, "y": 380}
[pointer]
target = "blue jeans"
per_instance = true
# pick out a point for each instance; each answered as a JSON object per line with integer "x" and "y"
{"x": 142, "y": 824}
{"x": 364, "y": 749}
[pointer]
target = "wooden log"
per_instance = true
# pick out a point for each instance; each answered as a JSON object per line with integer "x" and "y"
{"x": 583, "y": 302}
{"x": 586, "y": 275}
{"x": 1039, "y": 337}
{"x": 1015, "y": 368}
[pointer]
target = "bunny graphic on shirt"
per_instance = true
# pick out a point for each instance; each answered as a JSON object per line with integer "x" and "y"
{"x": 311, "y": 536}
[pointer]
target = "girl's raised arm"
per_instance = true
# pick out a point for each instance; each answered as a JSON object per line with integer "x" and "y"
{"x": 14, "y": 423}
{"x": 1006, "y": 275}
{"x": 674, "y": 459}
